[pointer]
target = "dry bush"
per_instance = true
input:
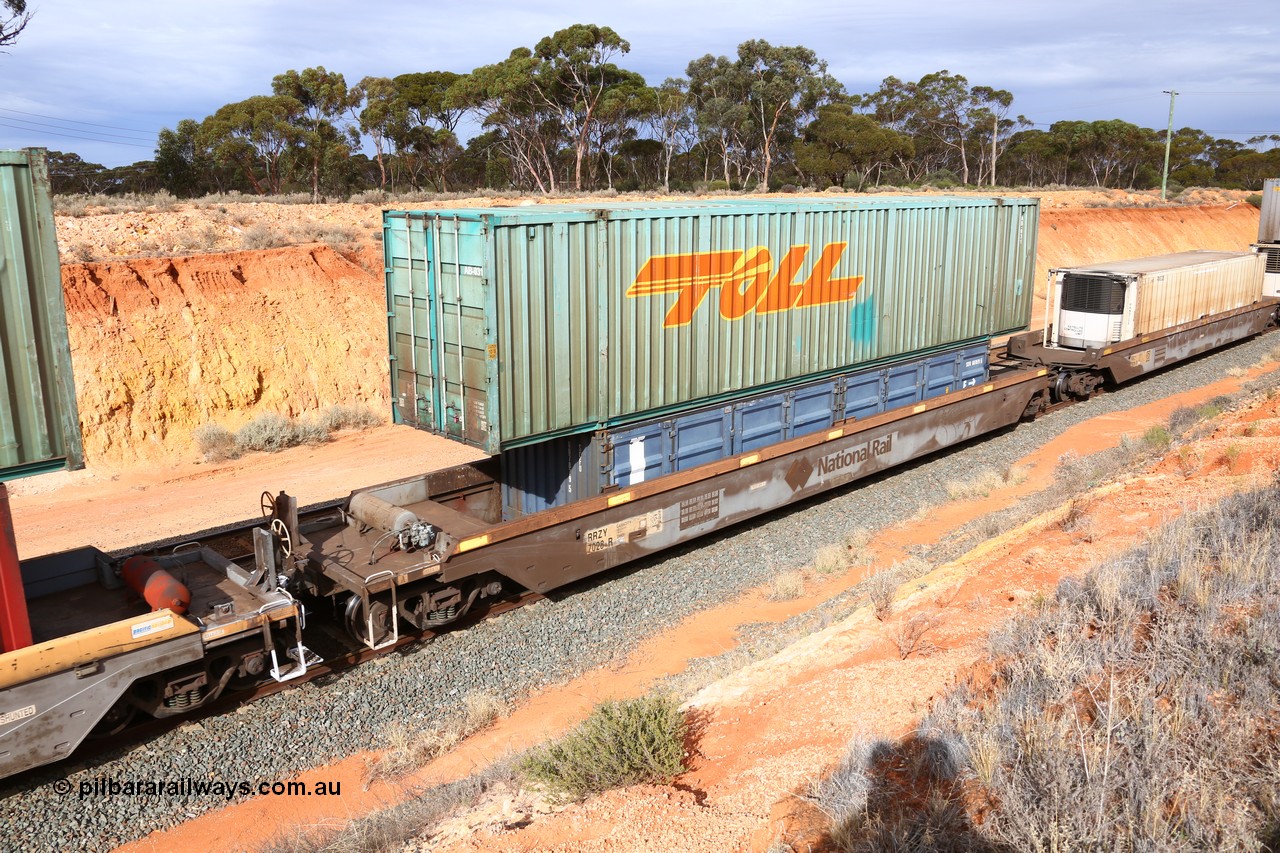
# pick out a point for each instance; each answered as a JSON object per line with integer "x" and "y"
{"x": 216, "y": 443}
{"x": 623, "y": 743}
{"x": 786, "y": 586}
{"x": 910, "y": 638}
{"x": 270, "y": 432}
{"x": 904, "y": 796}
{"x": 830, "y": 560}
{"x": 340, "y": 416}
{"x": 260, "y": 236}
{"x": 857, "y": 544}
{"x": 980, "y": 485}
{"x": 880, "y": 589}
{"x": 1135, "y": 710}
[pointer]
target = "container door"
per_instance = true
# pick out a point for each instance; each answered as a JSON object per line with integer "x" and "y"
{"x": 456, "y": 252}
{"x": 439, "y": 325}
{"x": 415, "y": 398}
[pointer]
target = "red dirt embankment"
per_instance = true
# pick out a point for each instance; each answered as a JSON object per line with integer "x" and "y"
{"x": 161, "y": 346}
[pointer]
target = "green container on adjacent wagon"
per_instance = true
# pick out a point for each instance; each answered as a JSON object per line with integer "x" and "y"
{"x": 510, "y": 326}
{"x": 39, "y": 427}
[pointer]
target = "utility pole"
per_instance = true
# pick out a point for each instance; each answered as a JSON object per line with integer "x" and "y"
{"x": 1168, "y": 143}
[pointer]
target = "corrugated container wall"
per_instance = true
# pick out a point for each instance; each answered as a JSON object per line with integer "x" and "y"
{"x": 579, "y": 318}
{"x": 1269, "y": 221}
{"x": 39, "y": 427}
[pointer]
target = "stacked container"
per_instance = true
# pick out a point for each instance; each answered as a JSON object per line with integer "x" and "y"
{"x": 510, "y": 327}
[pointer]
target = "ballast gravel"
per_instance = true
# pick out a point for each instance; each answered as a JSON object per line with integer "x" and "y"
{"x": 511, "y": 656}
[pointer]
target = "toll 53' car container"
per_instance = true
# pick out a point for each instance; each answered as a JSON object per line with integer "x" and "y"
{"x": 1115, "y": 301}
{"x": 512, "y": 326}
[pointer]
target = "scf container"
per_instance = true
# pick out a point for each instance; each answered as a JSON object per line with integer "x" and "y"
{"x": 1118, "y": 300}
{"x": 39, "y": 426}
{"x": 512, "y": 326}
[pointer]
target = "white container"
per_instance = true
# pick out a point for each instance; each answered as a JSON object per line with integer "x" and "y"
{"x": 1102, "y": 304}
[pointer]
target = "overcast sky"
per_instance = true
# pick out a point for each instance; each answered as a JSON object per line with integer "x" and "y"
{"x": 102, "y": 77}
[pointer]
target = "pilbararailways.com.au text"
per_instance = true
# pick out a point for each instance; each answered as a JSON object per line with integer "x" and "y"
{"x": 187, "y": 788}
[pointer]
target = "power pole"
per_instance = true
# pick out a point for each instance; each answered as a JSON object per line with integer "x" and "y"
{"x": 1168, "y": 143}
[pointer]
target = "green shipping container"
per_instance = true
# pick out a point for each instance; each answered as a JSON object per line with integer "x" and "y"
{"x": 39, "y": 427}
{"x": 509, "y": 326}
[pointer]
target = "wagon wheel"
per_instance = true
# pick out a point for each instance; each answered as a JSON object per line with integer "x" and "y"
{"x": 116, "y": 720}
{"x": 268, "y": 504}
{"x": 282, "y": 532}
{"x": 357, "y": 621}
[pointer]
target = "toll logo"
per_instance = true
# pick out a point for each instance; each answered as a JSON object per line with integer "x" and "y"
{"x": 748, "y": 281}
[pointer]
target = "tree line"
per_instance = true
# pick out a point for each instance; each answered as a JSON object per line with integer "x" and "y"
{"x": 565, "y": 115}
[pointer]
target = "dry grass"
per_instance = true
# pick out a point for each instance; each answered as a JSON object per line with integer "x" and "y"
{"x": 830, "y": 560}
{"x": 409, "y": 748}
{"x": 390, "y": 830}
{"x": 271, "y": 432}
{"x": 786, "y": 586}
{"x": 1135, "y": 710}
{"x": 980, "y": 485}
{"x": 857, "y": 546}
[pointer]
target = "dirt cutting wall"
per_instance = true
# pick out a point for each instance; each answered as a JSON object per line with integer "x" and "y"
{"x": 161, "y": 346}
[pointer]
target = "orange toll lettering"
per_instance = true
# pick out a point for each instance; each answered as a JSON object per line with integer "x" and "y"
{"x": 753, "y": 272}
{"x": 747, "y": 281}
{"x": 783, "y": 292}
{"x": 821, "y": 288}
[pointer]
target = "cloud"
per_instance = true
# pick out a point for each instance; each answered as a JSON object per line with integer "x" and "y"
{"x": 145, "y": 64}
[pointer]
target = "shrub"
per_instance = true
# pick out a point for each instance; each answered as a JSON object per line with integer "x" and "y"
{"x": 340, "y": 416}
{"x": 1254, "y": 199}
{"x": 1157, "y": 438}
{"x": 270, "y": 432}
{"x": 630, "y": 742}
{"x": 880, "y": 590}
{"x": 260, "y": 237}
{"x": 216, "y": 443}
{"x": 910, "y": 636}
{"x": 786, "y": 586}
{"x": 829, "y": 560}
{"x": 1136, "y": 710}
